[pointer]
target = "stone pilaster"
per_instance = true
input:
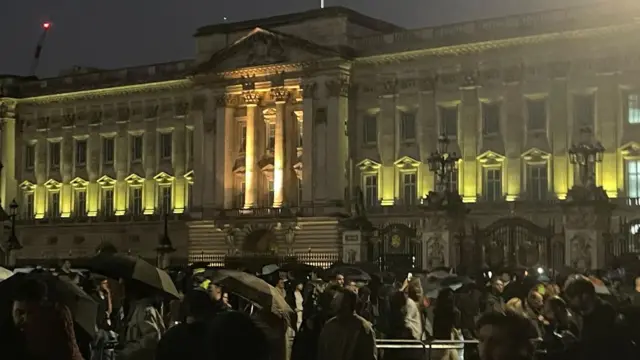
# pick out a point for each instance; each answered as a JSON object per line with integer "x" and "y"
{"x": 338, "y": 149}
{"x": 469, "y": 117}
{"x": 226, "y": 135}
{"x": 252, "y": 100}
{"x": 93, "y": 170}
{"x": 513, "y": 136}
{"x": 9, "y": 153}
{"x": 122, "y": 168}
{"x": 427, "y": 131}
{"x": 204, "y": 180}
{"x": 150, "y": 162}
{"x": 280, "y": 157}
{"x": 179, "y": 159}
{"x": 66, "y": 171}
{"x": 308, "y": 163}
{"x": 387, "y": 140}
{"x": 559, "y": 128}
{"x": 353, "y": 247}
{"x": 607, "y": 129}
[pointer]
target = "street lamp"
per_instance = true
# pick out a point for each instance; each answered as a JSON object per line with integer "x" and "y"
{"x": 13, "y": 243}
{"x": 585, "y": 155}
{"x": 443, "y": 164}
{"x": 165, "y": 246}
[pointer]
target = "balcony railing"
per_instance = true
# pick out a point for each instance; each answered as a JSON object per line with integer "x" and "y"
{"x": 319, "y": 259}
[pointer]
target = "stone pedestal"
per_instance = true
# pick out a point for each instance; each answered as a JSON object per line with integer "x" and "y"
{"x": 587, "y": 218}
{"x": 352, "y": 247}
{"x": 444, "y": 214}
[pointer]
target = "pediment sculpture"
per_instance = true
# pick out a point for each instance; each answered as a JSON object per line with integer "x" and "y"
{"x": 265, "y": 50}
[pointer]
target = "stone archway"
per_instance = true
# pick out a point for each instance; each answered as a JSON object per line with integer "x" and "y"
{"x": 260, "y": 241}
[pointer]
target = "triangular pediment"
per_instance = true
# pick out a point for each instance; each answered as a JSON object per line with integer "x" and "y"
{"x": 106, "y": 181}
{"x": 535, "y": 155}
{"x": 27, "y": 186}
{"x": 163, "y": 177}
{"x": 189, "y": 176}
{"x": 266, "y": 47}
{"x": 490, "y": 157}
{"x": 368, "y": 165}
{"x": 79, "y": 183}
{"x": 630, "y": 149}
{"x": 407, "y": 162}
{"x": 134, "y": 179}
{"x": 52, "y": 184}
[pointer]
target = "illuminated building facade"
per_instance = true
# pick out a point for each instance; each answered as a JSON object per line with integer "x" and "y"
{"x": 282, "y": 127}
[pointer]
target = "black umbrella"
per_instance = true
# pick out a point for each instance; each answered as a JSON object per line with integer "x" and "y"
{"x": 82, "y": 307}
{"x": 120, "y": 266}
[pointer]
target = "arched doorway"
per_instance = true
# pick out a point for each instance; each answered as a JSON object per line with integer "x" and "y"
{"x": 260, "y": 241}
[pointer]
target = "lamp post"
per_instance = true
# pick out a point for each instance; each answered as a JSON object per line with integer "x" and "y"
{"x": 443, "y": 164}
{"x": 13, "y": 243}
{"x": 585, "y": 155}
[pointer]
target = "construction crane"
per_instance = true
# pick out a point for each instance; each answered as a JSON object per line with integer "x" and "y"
{"x": 36, "y": 57}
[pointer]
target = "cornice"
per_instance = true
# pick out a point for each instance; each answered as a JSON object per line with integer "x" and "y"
{"x": 108, "y": 92}
{"x": 478, "y": 47}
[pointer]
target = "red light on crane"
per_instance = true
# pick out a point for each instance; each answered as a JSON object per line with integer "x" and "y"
{"x": 46, "y": 25}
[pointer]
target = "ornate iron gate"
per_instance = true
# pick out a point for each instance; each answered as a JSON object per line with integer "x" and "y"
{"x": 396, "y": 249}
{"x": 517, "y": 242}
{"x": 627, "y": 243}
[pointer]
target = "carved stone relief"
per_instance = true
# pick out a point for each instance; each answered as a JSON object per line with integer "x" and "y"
{"x": 582, "y": 249}
{"x": 265, "y": 50}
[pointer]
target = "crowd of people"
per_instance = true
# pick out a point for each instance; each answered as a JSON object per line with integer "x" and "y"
{"x": 505, "y": 317}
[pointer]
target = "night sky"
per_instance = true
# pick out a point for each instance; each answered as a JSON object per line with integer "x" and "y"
{"x": 120, "y": 33}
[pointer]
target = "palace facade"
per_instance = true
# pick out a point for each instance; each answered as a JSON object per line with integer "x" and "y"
{"x": 283, "y": 130}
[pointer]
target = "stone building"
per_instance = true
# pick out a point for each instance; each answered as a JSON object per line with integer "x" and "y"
{"x": 312, "y": 135}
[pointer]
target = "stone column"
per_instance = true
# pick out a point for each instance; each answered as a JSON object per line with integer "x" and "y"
{"x": 225, "y": 134}
{"x": 93, "y": 170}
{"x": 280, "y": 95}
{"x": 387, "y": 142}
{"x": 179, "y": 158}
{"x": 122, "y": 168}
{"x": 608, "y": 121}
{"x": 427, "y": 131}
{"x": 308, "y": 109}
{"x": 150, "y": 163}
{"x": 559, "y": 128}
{"x": 204, "y": 184}
{"x": 468, "y": 131}
{"x": 9, "y": 153}
{"x": 337, "y": 142}
{"x": 251, "y": 155}
{"x": 66, "y": 171}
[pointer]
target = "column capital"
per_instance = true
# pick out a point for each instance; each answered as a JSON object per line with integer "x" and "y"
{"x": 309, "y": 90}
{"x": 338, "y": 87}
{"x": 280, "y": 95}
{"x": 559, "y": 69}
{"x": 226, "y": 101}
{"x": 251, "y": 98}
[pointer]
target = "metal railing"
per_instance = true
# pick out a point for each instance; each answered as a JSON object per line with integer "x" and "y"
{"x": 427, "y": 346}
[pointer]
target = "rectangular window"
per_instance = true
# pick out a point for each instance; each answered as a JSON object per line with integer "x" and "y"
{"x": 80, "y": 203}
{"x": 54, "y": 204}
{"x": 81, "y": 152}
{"x": 537, "y": 182}
{"x": 135, "y": 200}
{"x": 136, "y": 148}
{"x": 107, "y": 202}
{"x": 493, "y": 184}
{"x": 54, "y": 155}
{"x": 29, "y": 206}
{"x": 633, "y": 105}
{"x": 165, "y": 199}
{"x": 243, "y": 138}
{"x": 270, "y": 194}
{"x": 452, "y": 181}
{"x": 584, "y": 109}
{"x": 537, "y": 114}
{"x": 490, "y": 118}
{"x": 370, "y": 190}
{"x": 30, "y": 156}
{"x": 300, "y": 133}
{"x": 409, "y": 188}
{"x": 271, "y": 136}
{"x": 108, "y": 150}
{"x": 370, "y": 128}
{"x": 449, "y": 121}
{"x": 408, "y": 126}
{"x": 166, "y": 146}
{"x": 633, "y": 179}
